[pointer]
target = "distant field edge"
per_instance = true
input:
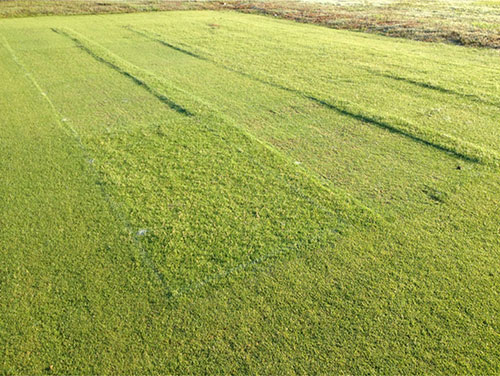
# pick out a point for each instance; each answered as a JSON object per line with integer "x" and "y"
{"x": 389, "y": 20}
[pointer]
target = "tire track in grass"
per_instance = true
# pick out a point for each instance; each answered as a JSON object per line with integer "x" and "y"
{"x": 364, "y": 215}
{"x": 65, "y": 125}
{"x": 442, "y": 142}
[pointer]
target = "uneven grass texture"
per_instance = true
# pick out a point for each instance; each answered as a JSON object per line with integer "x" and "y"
{"x": 207, "y": 192}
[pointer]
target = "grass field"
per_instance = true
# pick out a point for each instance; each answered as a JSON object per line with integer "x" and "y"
{"x": 216, "y": 192}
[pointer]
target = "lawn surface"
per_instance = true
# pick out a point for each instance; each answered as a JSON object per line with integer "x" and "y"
{"x": 215, "y": 192}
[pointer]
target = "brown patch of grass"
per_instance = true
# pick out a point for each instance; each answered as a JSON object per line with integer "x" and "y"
{"x": 26, "y": 8}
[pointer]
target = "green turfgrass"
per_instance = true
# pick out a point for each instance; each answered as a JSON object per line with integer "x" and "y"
{"x": 218, "y": 192}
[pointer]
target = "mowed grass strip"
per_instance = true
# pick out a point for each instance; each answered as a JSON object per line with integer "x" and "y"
{"x": 443, "y": 141}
